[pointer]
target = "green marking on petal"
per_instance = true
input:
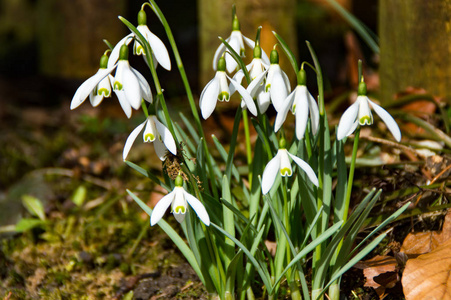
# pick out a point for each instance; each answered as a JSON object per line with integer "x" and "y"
{"x": 293, "y": 109}
{"x": 285, "y": 172}
{"x": 149, "y": 137}
{"x": 180, "y": 209}
{"x": 104, "y": 91}
{"x": 365, "y": 120}
{"x": 118, "y": 86}
{"x": 267, "y": 87}
{"x": 224, "y": 96}
{"x": 139, "y": 50}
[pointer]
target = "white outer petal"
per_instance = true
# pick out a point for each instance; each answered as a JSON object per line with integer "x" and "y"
{"x": 301, "y": 110}
{"x": 144, "y": 86}
{"x": 282, "y": 114}
{"x": 306, "y": 167}
{"x": 270, "y": 173}
{"x": 86, "y": 87}
{"x": 160, "y": 149}
{"x": 131, "y": 139}
{"x": 246, "y": 96}
{"x": 278, "y": 89}
{"x": 161, "y": 207}
{"x": 114, "y": 56}
{"x": 263, "y": 100}
{"x": 209, "y": 97}
{"x": 388, "y": 120}
{"x": 231, "y": 64}
{"x": 126, "y": 107}
{"x": 238, "y": 77}
{"x": 256, "y": 83}
{"x": 166, "y": 136}
{"x": 131, "y": 85}
{"x": 314, "y": 112}
{"x": 198, "y": 207}
{"x": 159, "y": 49}
{"x": 347, "y": 121}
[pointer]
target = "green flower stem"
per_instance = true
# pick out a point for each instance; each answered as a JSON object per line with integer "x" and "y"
{"x": 247, "y": 137}
{"x": 351, "y": 174}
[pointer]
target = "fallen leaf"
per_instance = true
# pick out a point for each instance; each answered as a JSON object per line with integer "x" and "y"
{"x": 428, "y": 276}
{"x": 424, "y": 242}
{"x": 380, "y": 272}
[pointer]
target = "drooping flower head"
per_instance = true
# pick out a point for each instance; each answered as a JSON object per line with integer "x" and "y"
{"x": 301, "y": 103}
{"x": 154, "y": 132}
{"x": 218, "y": 89}
{"x": 281, "y": 163}
{"x": 179, "y": 199}
{"x": 359, "y": 113}
{"x": 277, "y": 82}
{"x": 129, "y": 85}
{"x": 96, "y": 87}
{"x": 159, "y": 51}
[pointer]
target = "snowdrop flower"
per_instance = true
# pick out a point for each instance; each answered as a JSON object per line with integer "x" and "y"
{"x": 236, "y": 40}
{"x": 217, "y": 89}
{"x": 159, "y": 50}
{"x": 129, "y": 85}
{"x": 359, "y": 113}
{"x": 277, "y": 82}
{"x": 281, "y": 163}
{"x": 154, "y": 132}
{"x": 96, "y": 87}
{"x": 179, "y": 199}
{"x": 301, "y": 103}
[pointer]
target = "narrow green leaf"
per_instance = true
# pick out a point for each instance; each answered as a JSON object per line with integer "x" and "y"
{"x": 288, "y": 52}
{"x": 224, "y": 156}
{"x": 34, "y": 206}
{"x": 148, "y": 175}
{"x": 238, "y": 59}
{"x": 264, "y": 275}
{"x": 190, "y": 127}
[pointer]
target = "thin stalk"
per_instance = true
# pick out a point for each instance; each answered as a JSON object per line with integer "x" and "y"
{"x": 247, "y": 137}
{"x": 351, "y": 174}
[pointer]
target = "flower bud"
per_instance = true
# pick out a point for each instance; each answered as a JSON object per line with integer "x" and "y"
{"x": 362, "y": 89}
{"x": 274, "y": 57}
{"x": 104, "y": 61}
{"x": 221, "y": 64}
{"x": 235, "y": 24}
{"x": 123, "y": 52}
{"x": 142, "y": 17}
{"x": 282, "y": 143}
{"x": 179, "y": 180}
{"x": 302, "y": 77}
{"x": 257, "y": 52}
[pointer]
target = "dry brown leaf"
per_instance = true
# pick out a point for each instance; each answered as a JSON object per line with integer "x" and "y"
{"x": 429, "y": 275}
{"x": 380, "y": 272}
{"x": 424, "y": 242}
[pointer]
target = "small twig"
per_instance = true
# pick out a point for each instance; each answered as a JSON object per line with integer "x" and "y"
{"x": 390, "y": 143}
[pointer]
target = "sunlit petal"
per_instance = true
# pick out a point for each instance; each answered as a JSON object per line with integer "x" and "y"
{"x": 270, "y": 173}
{"x": 282, "y": 114}
{"x": 150, "y": 131}
{"x": 161, "y": 207}
{"x": 347, "y": 121}
{"x": 231, "y": 64}
{"x": 246, "y": 97}
{"x": 278, "y": 90}
{"x": 198, "y": 207}
{"x": 285, "y": 163}
{"x": 209, "y": 98}
{"x": 126, "y": 107}
{"x": 144, "y": 86}
{"x": 238, "y": 77}
{"x": 131, "y": 139}
{"x": 179, "y": 204}
{"x": 131, "y": 84}
{"x": 301, "y": 111}
{"x": 256, "y": 83}
{"x": 314, "y": 112}
{"x": 159, "y": 49}
{"x": 388, "y": 120}
{"x": 166, "y": 136}
{"x": 306, "y": 167}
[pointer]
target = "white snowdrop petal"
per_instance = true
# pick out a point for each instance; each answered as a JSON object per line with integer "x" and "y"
{"x": 209, "y": 98}
{"x": 231, "y": 64}
{"x": 218, "y": 53}
{"x": 306, "y": 168}
{"x": 256, "y": 83}
{"x": 166, "y": 136}
{"x": 282, "y": 114}
{"x": 126, "y": 107}
{"x": 270, "y": 173}
{"x": 347, "y": 121}
{"x": 144, "y": 86}
{"x": 161, "y": 207}
{"x": 314, "y": 112}
{"x": 88, "y": 86}
{"x": 301, "y": 112}
{"x": 278, "y": 90}
{"x": 198, "y": 207}
{"x": 131, "y": 139}
{"x": 246, "y": 96}
{"x": 388, "y": 120}
{"x": 159, "y": 49}
{"x": 131, "y": 85}
{"x": 160, "y": 149}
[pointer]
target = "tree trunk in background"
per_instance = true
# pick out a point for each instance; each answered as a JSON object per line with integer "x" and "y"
{"x": 215, "y": 19}
{"x": 415, "y": 42}
{"x": 70, "y": 34}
